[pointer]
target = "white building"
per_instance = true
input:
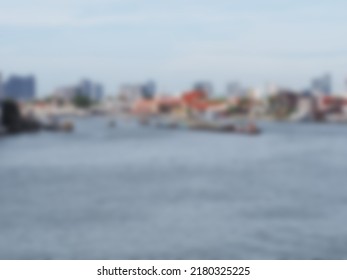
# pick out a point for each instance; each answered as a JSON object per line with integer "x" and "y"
{"x": 65, "y": 93}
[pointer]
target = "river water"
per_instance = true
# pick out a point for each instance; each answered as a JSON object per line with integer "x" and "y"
{"x": 146, "y": 193}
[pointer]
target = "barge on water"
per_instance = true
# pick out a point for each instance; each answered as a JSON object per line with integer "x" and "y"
{"x": 222, "y": 126}
{"x": 250, "y": 128}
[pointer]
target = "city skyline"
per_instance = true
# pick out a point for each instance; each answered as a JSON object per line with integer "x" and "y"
{"x": 175, "y": 43}
{"x": 18, "y": 87}
{"x": 23, "y": 87}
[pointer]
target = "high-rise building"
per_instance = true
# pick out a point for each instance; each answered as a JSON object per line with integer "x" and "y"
{"x": 322, "y": 85}
{"x": 93, "y": 91}
{"x": 20, "y": 88}
{"x": 204, "y": 86}
{"x": 130, "y": 91}
{"x": 136, "y": 91}
{"x": 234, "y": 89}
{"x": 65, "y": 93}
{"x": 148, "y": 89}
{"x": 86, "y": 88}
{"x": 99, "y": 91}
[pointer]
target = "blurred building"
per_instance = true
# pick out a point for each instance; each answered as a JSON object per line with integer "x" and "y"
{"x": 99, "y": 91}
{"x": 137, "y": 91}
{"x": 234, "y": 89}
{"x": 195, "y": 100}
{"x": 306, "y": 108}
{"x": 283, "y": 104}
{"x": 130, "y": 96}
{"x": 129, "y": 92}
{"x": 271, "y": 89}
{"x": 204, "y": 86}
{"x": 322, "y": 85}
{"x": 19, "y": 88}
{"x": 65, "y": 93}
{"x": 87, "y": 88}
{"x": 148, "y": 90}
{"x": 1, "y": 88}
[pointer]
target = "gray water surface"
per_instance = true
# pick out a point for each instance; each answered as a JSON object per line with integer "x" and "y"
{"x": 145, "y": 193}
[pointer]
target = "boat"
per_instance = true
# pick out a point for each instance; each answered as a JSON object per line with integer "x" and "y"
{"x": 250, "y": 128}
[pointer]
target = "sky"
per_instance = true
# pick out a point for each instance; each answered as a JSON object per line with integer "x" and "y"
{"x": 174, "y": 42}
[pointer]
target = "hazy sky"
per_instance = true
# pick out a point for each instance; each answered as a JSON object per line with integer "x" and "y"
{"x": 174, "y": 42}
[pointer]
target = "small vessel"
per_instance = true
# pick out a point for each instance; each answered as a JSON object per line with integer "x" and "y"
{"x": 250, "y": 128}
{"x": 67, "y": 126}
